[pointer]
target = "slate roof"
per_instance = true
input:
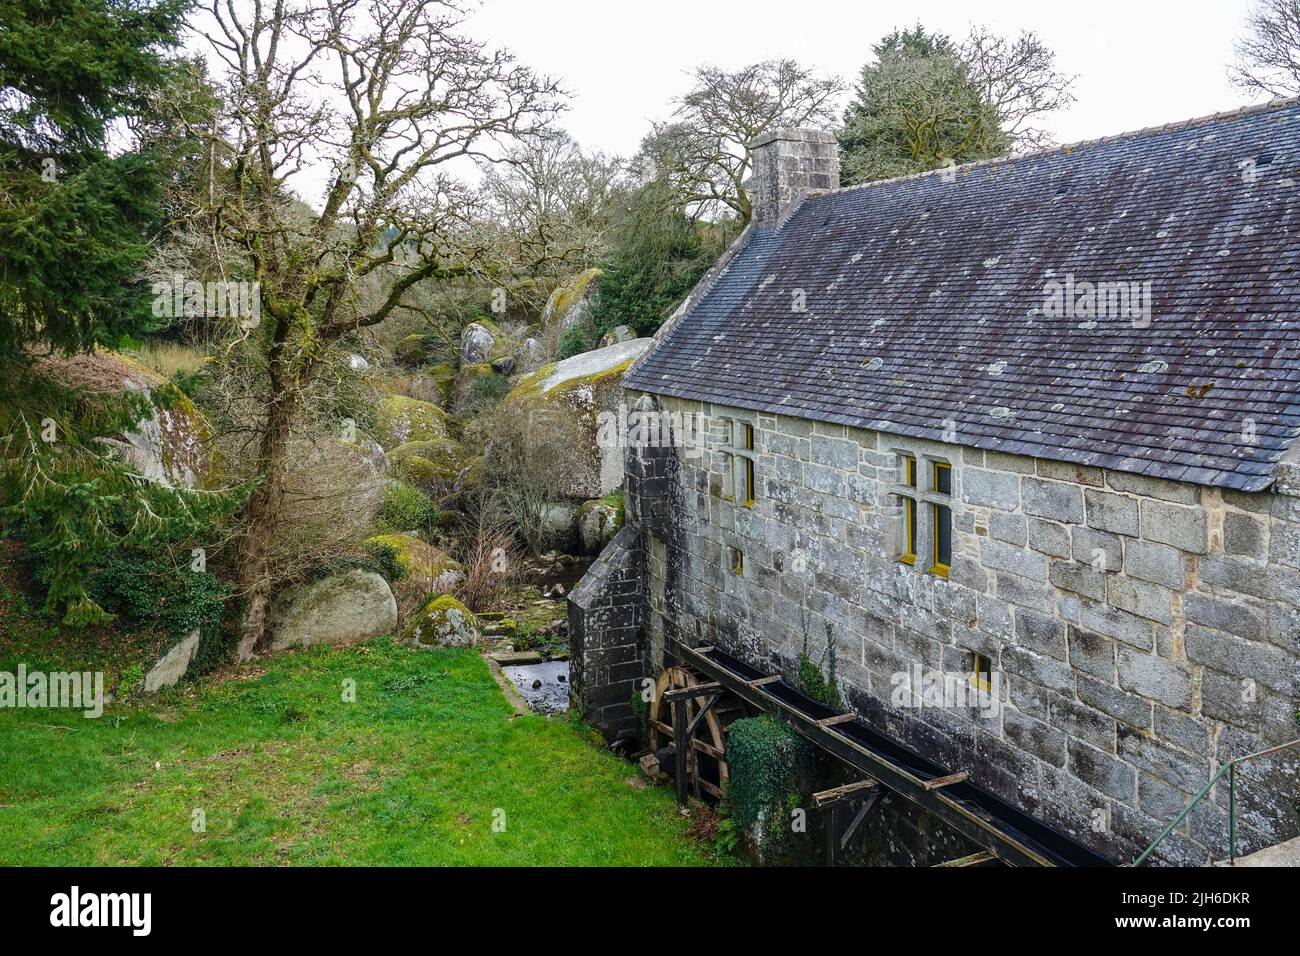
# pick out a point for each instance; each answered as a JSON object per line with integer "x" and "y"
{"x": 924, "y": 303}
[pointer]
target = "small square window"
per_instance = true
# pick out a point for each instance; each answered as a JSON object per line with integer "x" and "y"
{"x": 942, "y": 478}
{"x": 982, "y": 672}
{"x": 736, "y": 559}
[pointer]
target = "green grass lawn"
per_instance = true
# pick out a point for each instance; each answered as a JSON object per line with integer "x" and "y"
{"x": 415, "y": 772}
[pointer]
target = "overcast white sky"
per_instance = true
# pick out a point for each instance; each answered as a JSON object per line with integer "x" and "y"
{"x": 1139, "y": 62}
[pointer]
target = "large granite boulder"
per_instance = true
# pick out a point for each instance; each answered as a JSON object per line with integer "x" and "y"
{"x": 431, "y": 567}
{"x": 170, "y": 443}
{"x": 432, "y": 463}
{"x": 476, "y": 344}
{"x": 589, "y": 389}
{"x": 619, "y": 333}
{"x": 403, "y": 420}
{"x": 598, "y": 522}
{"x": 570, "y": 303}
{"x": 341, "y": 609}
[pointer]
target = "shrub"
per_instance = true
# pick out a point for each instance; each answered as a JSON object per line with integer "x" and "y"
{"x": 765, "y": 758}
{"x": 576, "y": 339}
{"x": 486, "y": 393}
{"x": 823, "y": 689}
{"x": 406, "y": 508}
{"x": 156, "y": 592}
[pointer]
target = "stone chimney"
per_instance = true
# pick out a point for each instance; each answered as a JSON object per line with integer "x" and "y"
{"x": 787, "y": 164}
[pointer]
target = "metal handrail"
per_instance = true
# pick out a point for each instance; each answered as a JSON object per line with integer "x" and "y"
{"x": 1230, "y": 768}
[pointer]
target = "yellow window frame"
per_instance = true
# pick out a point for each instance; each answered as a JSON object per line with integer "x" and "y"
{"x": 750, "y": 493}
{"x": 937, "y": 468}
{"x": 737, "y": 561}
{"x": 909, "y": 471}
{"x": 937, "y": 566}
{"x": 978, "y": 680}
{"x": 909, "y": 531}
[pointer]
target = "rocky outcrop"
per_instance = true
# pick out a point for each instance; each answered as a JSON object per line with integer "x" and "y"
{"x": 444, "y": 622}
{"x": 341, "y": 609}
{"x": 169, "y": 444}
{"x": 588, "y": 387}
{"x": 432, "y": 567}
{"x": 619, "y": 333}
{"x": 570, "y": 303}
{"x": 173, "y": 665}
{"x": 598, "y": 522}
{"x": 476, "y": 344}
{"x": 403, "y": 420}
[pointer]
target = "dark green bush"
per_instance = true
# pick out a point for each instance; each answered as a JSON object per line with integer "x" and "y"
{"x": 158, "y": 593}
{"x": 575, "y": 340}
{"x": 406, "y": 508}
{"x": 765, "y": 758}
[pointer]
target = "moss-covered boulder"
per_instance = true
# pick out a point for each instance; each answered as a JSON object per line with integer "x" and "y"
{"x": 422, "y": 562}
{"x": 570, "y": 302}
{"x": 444, "y": 622}
{"x": 598, "y": 521}
{"x": 433, "y": 462}
{"x": 589, "y": 388}
{"x": 403, "y": 420}
{"x": 341, "y": 609}
{"x": 171, "y": 442}
{"x": 443, "y": 375}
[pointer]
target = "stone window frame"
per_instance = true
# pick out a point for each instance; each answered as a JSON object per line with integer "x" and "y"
{"x": 927, "y": 498}
{"x": 735, "y": 561}
{"x": 740, "y": 483}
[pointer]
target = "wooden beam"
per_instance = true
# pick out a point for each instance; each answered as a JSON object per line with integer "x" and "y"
{"x": 940, "y": 782}
{"x": 975, "y": 859}
{"x": 837, "y": 719}
{"x": 680, "y": 743}
{"x": 762, "y": 681}
{"x": 834, "y": 795}
{"x": 689, "y": 693}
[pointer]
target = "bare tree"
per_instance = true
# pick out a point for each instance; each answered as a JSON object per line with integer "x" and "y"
{"x": 1018, "y": 81}
{"x": 388, "y": 92}
{"x": 704, "y": 151}
{"x": 550, "y": 203}
{"x": 1268, "y": 56}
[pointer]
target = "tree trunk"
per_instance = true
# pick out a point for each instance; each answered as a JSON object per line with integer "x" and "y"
{"x": 262, "y": 519}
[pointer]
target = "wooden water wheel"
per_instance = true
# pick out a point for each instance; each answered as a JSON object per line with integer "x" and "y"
{"x": 706, "y": 763}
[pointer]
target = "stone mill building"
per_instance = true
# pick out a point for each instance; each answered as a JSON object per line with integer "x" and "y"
{"x": 1031, "y": 420}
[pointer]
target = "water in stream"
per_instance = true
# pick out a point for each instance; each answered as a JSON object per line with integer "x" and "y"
{"x": 551, "y": 696}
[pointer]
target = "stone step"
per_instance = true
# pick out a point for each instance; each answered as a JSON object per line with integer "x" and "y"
{"x": 1280, "y": 854}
